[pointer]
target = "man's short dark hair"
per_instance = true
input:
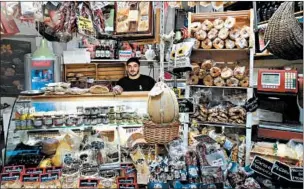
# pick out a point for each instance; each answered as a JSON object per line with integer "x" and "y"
{"x": 133, "y": 59}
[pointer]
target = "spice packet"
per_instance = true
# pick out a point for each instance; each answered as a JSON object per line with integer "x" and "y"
{"x": 50, "y": 180}
{"x": 31, "y": 180}
{"x": 10, "y": 180}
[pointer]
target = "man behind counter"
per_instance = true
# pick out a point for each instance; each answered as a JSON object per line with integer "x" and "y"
{"x": 134, "y": 81}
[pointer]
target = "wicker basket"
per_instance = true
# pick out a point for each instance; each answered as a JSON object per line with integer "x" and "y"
{"x": 285, "y": 33}
{"x": 160, "y": 133}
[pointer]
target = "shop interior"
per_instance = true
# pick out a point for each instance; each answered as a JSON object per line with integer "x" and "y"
{"x": 226, "y": 110}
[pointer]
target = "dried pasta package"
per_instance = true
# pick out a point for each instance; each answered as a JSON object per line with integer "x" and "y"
{"x": 69, "y": 178}
{"x": 50, "y": 180}
{"x": 180, "y": 56}
{"x": 31, "y": 181}
{"x": 10, "y": 180}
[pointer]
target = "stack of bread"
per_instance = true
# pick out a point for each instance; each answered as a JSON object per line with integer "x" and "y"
{"x": 220, "y": 34}
{"x": 211, "y": 75}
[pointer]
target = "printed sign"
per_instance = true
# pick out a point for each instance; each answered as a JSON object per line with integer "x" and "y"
{"x": 204, "y": 139}
{"x": 85, "y": 24}
{"x": 252, "y": 104}
{"x": 281, "y": 169}
{"x": 88, "y": 183}
{"x": 297, "y": 174}
{"x": 125, "y": 55}
{"x": 262, "y": 166}
{"x": 185, "y": 105}
{"x": 13, "y": 169}
{"x": 30, "y": 178}
{"x": 34, "y": 171}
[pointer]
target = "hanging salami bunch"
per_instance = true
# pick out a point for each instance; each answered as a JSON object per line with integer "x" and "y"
{"x": 59, "y": 21}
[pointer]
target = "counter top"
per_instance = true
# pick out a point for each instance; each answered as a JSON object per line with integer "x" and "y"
{"x": 124, "y": 95}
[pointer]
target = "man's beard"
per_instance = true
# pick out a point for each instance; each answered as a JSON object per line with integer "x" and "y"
{"x": 133, "y": 75}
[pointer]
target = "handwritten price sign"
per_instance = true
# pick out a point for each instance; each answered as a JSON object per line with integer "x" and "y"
{"x": 85, "y": 24}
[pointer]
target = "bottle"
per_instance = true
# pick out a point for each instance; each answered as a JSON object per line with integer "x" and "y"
{"x": 116, "y": 50}
{"x": 112, "y": 49}
{"x": 97, "y": 51}
{"x": 107, "y": 50}
{"x": 102, "y": 50}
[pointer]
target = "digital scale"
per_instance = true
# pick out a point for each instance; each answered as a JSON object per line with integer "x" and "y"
{"x": 282, "y": 81}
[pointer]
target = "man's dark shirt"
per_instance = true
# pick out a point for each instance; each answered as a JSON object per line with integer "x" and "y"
{"x": 143, "y": 83}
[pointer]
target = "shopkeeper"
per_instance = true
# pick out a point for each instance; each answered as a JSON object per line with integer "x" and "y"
{"x": 134, "y": 81}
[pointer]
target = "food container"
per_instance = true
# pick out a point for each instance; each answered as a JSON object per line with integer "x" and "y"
{"x": 106, "y": 110}
{"x": 100, "y": 119}
{"x": 59, "y": 120}
{"x": 112, "y": 116}
{"x": 105, "y": 119}
{"x": 69, "y": 121}
{"x": 48, "y": 121}
{"x": 80, "y": 109}
{"x": 94, "y": 120}
{"x": 87, "y": 120}
{"x": 111, "y": 109}
{"x": 78, "y": 120}
{"x": 118, "y": 115}
{"x": 38, "y": 121}
{"x": 87, "y": 111}
{"x": 94, "y": 111}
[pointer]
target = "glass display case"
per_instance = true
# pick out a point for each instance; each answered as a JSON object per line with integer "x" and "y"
{"x": 39, "y": 125}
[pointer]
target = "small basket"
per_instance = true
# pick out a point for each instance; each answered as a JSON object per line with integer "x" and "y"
{"x": 160, "y": 133}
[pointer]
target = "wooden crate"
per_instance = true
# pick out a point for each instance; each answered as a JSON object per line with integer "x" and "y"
{"x": 244, "y": 17}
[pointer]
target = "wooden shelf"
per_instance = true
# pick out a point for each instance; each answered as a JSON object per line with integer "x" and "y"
{"x": 225, "y": 87}
{"x": 222, "y": 125}
{"x": 220, "y": 55}
{"x": 125, "y": 95}
{"x": 117, "y": 60}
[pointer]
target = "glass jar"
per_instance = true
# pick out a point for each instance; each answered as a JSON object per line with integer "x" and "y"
{"x": 78, "y": 120}
{"x": 94, "y": 111}
{"x": 59, "y": 120}
{"x": 87, "y": 120}
{"x": 48, "y": 121}
{"x": 69, "y": 121}
{"x": 38, "y": 121}
{"x": 111, "y": 109}
{"x": 80, "y": 109}
{"x": 106, "y": 110}
{"x": 112, "y": 116}
{"x": 118, "y": 115}
{"x": 87, "y": 111}
{"x": 94, "y": 120}
{"x": 105, "y": 119}
{"x": 99, "y": 119}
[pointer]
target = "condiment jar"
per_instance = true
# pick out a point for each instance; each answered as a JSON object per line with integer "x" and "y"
{"x": 80, "y": 109}
{"x": 69, "y": 121}
{"x": 38, "y": 121}
{"x": 111, "y": 109}
{"x": 99, "y": 119}
{"x": 94, "y": 111}
{"x": 48, "y": 121}
{"x": 58, "y": 120}
{"x": 87, "y": 120}
{"x": 94, "y": 120}
{"x": 78, "y": 120}
{"x": 87, "y": 111}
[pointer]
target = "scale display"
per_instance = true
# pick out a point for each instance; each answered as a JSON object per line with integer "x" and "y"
{"x": 271, "y": 79}
{"x": 278, "y": 81}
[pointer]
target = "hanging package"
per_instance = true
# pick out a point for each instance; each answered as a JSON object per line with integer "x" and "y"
{"x": 180, "y": 56}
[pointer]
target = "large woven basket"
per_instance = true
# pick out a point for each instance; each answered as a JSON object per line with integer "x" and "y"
{"x": 160, "y": 133}
{"x": 285, "y": 33}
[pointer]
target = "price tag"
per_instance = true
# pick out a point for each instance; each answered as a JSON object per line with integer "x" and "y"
{"x": 85, "y": 24}
{"x": 297, "y": 174}
{"x": 185, "y": 105}
{"x": 252, "y": 104}
{"x": 282, "y": 170}
{"x": 262, "y": 166}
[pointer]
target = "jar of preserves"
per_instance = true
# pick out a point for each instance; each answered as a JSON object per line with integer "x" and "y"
{"x": 48, "y": 121}
{"x": 59, "y": 120}
{"x": 78, "y": 120}
{"x": 38, "y": 121}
